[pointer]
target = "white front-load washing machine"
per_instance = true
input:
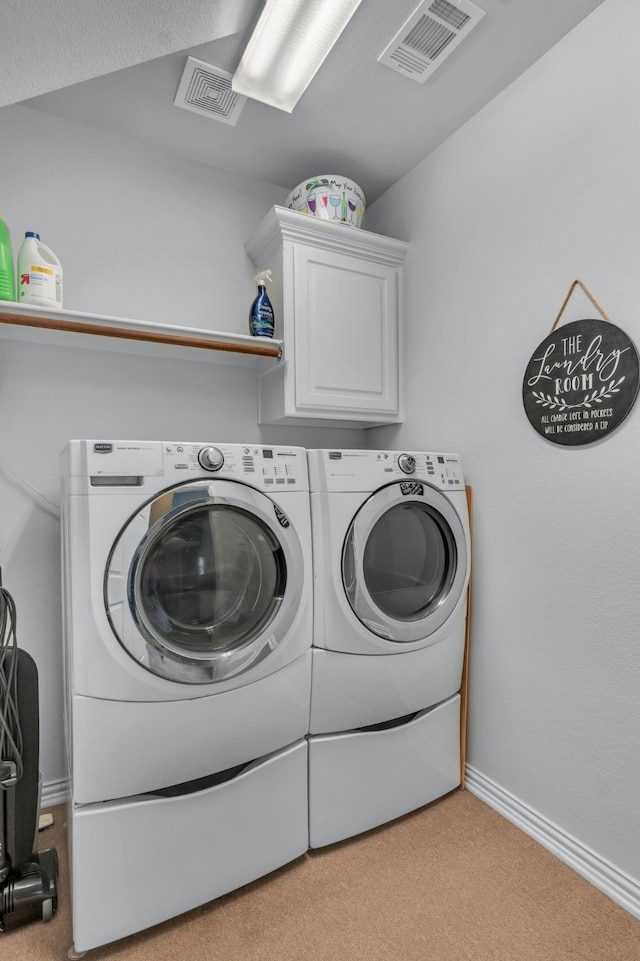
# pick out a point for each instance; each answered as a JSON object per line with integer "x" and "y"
{"x": 391, "y": 551}
{"x": 187, "y": 609}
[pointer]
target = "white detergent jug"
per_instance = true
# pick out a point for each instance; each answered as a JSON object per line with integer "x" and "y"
{"x": 39, "y": 274}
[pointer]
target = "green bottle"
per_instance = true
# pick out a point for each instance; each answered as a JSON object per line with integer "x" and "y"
{"x": 343, "y": 208}
{"x": 7, "y": 275}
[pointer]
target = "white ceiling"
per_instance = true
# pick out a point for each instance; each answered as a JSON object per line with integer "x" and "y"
{"x": 117, "y": 66}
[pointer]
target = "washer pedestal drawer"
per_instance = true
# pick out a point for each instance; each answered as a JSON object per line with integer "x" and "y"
{"x": 120, "y": 747}
{"x": 142, "y": 860}
{"x": 361, "y": 779}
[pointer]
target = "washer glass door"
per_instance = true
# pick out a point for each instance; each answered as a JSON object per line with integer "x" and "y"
{"x": 404, "y": 562}
{"x": 210, "y": 571}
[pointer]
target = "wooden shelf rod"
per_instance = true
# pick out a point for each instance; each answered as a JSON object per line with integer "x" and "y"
{"x": 72, "y": 326}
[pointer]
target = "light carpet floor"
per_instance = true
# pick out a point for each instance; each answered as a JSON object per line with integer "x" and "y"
{"x": 452, "y": 882}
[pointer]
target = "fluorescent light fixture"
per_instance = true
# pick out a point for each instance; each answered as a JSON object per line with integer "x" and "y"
{"x": 287, "y": 48}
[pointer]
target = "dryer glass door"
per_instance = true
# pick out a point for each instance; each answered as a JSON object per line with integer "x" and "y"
{"x": 212, "y": 573}
{"x": 404, "y": 562}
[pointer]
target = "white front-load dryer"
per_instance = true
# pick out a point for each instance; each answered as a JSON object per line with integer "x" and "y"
{"x": 187, "y": 607}
{"x": 391, "y": 550}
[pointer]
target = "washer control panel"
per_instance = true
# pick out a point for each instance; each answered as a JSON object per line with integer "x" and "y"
{"x": 260, "y": 466}
{"x": 129, "y": 463}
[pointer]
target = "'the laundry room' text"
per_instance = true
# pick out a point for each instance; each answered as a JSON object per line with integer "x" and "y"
{"x": 579, "y": 366}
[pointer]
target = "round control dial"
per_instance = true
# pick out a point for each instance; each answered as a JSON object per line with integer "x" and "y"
{"x": 211, "y": 458}
{"x": 407, "y": 463}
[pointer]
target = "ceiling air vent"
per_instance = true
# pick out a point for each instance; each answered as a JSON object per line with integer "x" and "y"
{"x": 207, "y": 90}
{"x": 431, "y": 33}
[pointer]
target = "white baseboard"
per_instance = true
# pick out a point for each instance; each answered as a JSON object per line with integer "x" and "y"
{"x": 54, "y": 792}
{"x": 620, "y": 887}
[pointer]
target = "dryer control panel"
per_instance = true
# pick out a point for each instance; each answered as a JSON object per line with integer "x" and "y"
{"x": 367, "y": 470}
{"x": 136, "y": 463}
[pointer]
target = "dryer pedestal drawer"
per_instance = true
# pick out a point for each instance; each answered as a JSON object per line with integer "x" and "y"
{"x": 361, "y": 779}
{"x": 352, "y": 690}
{"x": 143, "y": 860}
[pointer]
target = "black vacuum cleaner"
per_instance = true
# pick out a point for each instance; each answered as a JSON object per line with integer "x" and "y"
{"x": 28, "y": 879}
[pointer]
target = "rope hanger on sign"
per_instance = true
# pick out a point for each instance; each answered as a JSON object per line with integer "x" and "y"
{"x": 578, "y": 283}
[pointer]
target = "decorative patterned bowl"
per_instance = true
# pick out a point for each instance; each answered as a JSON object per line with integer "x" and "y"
{"x": 329, "y": 197}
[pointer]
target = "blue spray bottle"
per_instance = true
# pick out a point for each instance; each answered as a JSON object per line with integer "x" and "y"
{"x": 261, "y": 320}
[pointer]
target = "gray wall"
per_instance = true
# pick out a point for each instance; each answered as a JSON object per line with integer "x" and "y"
{"x": 538, "y": 189}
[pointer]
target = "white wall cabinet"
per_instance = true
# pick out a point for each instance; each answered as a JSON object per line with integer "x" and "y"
{"x": 336, "y": 297}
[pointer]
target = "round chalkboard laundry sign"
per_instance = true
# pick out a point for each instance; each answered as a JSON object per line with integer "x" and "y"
{"x": 581, "y": 382}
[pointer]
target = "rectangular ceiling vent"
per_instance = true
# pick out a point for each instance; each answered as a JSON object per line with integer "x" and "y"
{"x": 207, "y": 90}
{"x": 432, "y": 32}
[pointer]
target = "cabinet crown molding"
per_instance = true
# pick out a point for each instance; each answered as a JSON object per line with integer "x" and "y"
{"x": 283, "y": 225}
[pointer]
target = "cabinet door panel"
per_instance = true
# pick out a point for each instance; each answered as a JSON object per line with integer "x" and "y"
{"x": 346, "y": 333}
